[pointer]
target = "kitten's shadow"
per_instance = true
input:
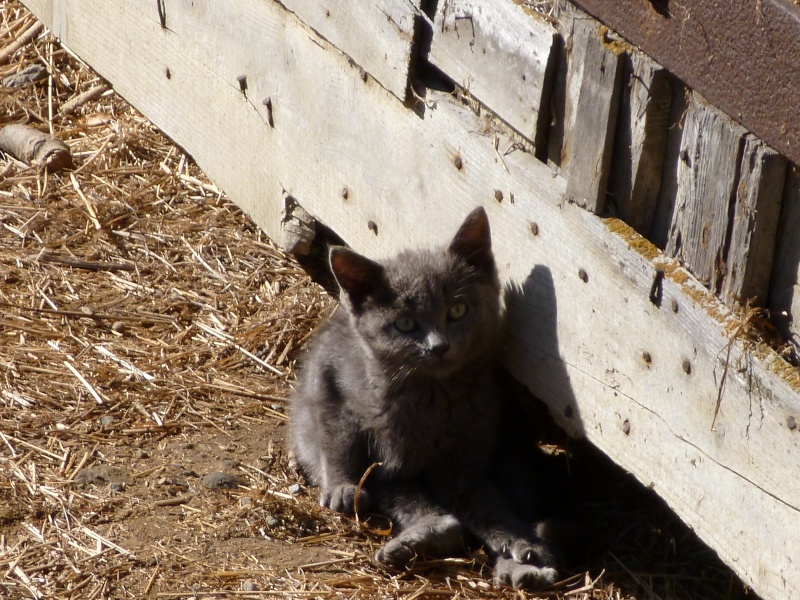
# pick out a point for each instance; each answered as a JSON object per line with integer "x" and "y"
{"x": 530, "y": 351}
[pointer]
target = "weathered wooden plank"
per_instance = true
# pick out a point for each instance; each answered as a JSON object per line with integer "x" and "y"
{"x": 784, "y": 292}
{"x": 743, "y": 56}
{"x": 755, "y": 222}
{"x": 592, "y": 99}
{"x": 711, "y": 149}
{"x": 502, "y": 55}
{"x": 668, "y": 194}
{"x": 377, "y": 35}
{"x": 640, "y": 141}
{"x": 578, "y": 342}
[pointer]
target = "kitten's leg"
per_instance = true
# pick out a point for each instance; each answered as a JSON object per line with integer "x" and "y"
{"x": 335, "y": 465}
{"x": 329, "y": 445}
{"x": 424, "y": 528}
{"x": 523, "y": 560}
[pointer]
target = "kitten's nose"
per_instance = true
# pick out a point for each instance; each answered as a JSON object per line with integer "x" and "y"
{"x": 438, "y": 347}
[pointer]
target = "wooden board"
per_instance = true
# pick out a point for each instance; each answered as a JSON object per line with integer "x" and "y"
{"x": 755, "y": 222}
{"x": 592, "y": 97}
{"x": 640, "y": 141}
{"x": 731, "y": 52}
{"x": 377, "y": 35}
{"x": 582, "y": 310}
{"x": 710, "y": 152}
{"x": 668, "y": 194}
{"x": 784, "y": 292}
{"x": 502, "y": 55}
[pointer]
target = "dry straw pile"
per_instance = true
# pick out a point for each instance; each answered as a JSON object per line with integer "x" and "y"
{"x": 148, "y": 337}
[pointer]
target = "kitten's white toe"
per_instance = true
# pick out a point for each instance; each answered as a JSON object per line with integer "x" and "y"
{"x": 340, "y": 498}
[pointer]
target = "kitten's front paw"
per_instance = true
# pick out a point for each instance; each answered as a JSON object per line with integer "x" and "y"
{"x": 434, "y": 535}
{"x": 529, "y": 553}
{"x": 520, "y": 576}
{"x": 340, "y": 498}
{"x": 396, "y": 552}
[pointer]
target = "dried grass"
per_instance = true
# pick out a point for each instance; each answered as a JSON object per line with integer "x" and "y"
{"x": 145, "y": 321}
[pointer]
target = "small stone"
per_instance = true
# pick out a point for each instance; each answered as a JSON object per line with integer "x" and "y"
{"x": 249, "y": 586}
{"x": 218, "y": 479}
{"x": 119, "y": 327}
{"x": 294, "y": 489}
{"x": 277, "y": 407}
{"x": 272, "y": 522}
{"x": 106, "y": 420}
{"x": 246, "y": 502}
{"x": 116, "y": 487}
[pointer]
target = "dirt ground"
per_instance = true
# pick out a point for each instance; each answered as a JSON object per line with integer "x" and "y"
{"x": 148, "y": 339}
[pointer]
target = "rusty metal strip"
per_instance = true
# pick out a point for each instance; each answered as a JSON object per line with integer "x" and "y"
{"x": 742, "y": 55}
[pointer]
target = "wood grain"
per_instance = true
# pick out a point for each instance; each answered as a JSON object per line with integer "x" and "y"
{"x": 707, "y": 176}
{"x": 502, "y": 55}
{"x": 755, "y": 222}
{"x": 640, "y": 141}
{"x": 592, "y": 100}
{"x": 377, "y": 34}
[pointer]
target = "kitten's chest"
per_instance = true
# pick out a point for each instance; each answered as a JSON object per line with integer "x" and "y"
{"x": 436, "y": 426}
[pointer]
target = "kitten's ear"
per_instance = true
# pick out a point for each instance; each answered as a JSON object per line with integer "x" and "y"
{"x": 473, "y": 242}
{"x": 358, "y": 276}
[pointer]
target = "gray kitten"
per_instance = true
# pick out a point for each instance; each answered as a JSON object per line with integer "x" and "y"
{"x": 403, "y": 374}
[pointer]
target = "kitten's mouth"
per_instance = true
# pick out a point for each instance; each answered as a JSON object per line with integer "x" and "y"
{"x": 445, "y": 363}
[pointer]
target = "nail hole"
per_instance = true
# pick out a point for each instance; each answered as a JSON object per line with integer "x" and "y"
{"x": 674, "y": 305}
{"x": 626, "y": 427}
{"x": 687, "y": 367}
{"x": 498, "y": 195}
{"x": 648, "y": 360}
{"x": 791, "y": 423}
{"x": 168, "y": 73}
{"x": 346, "y": 194}
{"x": 458, "y": 162}
{"x": 583, "y": 275}
{"x": 534, "y": 228}
{"x": 372, "y": 226}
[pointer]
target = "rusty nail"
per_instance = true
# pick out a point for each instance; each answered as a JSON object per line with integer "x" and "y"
{"x": 534, "y": 228}
{"x": 583, "y": 275}
{"x": 687, "y": 366}
{"x": 498, "y": 195}
{"x": 372, "y": 226}
{"x": 162, "y": 13}
{"x": 268, "y": 103}
{"x": 647, "y": 358}
{"x": 242, "y": 79}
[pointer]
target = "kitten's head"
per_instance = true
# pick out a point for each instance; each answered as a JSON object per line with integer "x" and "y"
{"x": 430, "y": 312}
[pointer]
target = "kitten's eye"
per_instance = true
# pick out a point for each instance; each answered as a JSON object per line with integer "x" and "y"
{"x": 405, "y": 324}
{"x": 457, "y": 311}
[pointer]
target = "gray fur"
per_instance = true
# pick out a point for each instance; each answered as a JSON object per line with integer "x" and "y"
{"x": 424, "y": 403}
